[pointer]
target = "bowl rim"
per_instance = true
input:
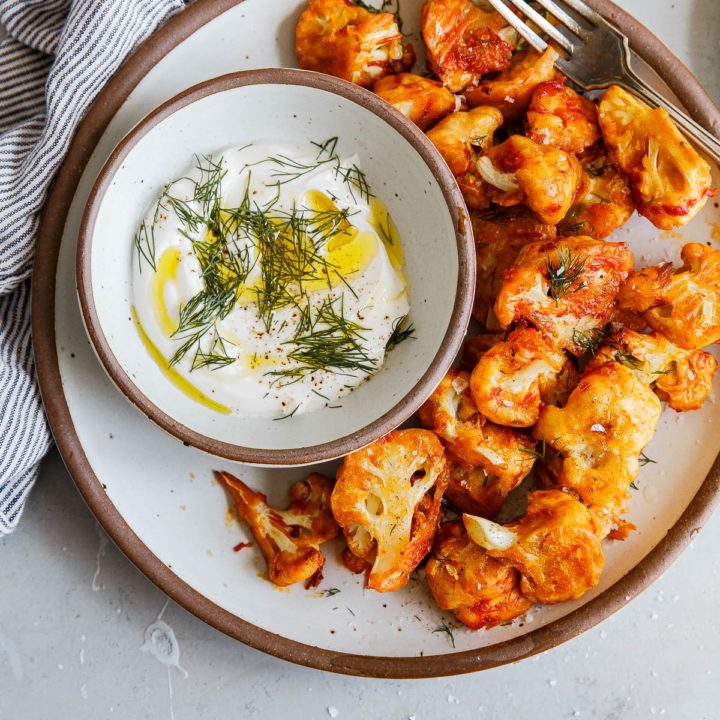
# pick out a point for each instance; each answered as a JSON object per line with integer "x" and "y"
{"x": 452, "y": 339}
{"x": 45, "y": 283}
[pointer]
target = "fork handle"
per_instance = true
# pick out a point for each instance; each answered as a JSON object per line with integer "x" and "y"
{"x": 706, "y": 140}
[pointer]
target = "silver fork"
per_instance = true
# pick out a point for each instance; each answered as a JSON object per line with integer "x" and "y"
{"x": 598, "y": 55}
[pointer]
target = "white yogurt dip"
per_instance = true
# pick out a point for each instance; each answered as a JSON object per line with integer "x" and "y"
{"x": 269, "y": 281}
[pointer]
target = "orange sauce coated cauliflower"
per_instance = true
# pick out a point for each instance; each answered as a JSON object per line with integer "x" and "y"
{"x": 683, "y": 378}
{"x": 340, "y": 38}
{"x": 471, "y": 489}
{"x": 387, "y": 501}
{"x": 558, "y": 116}
{"x": 670, "y": 181}
{"x": 461, "y": 138}
{"x": 609, "y": 418}
{"x": 604, "y": 201}
{"x": 512, "y": 89}
{"x": 555, "y": 546}
{"x": 499, "y": 235}
{"x": 481, "y": 591}
{"x": 462, "y": 42}
{"x": 509, "y": 379}
{"x": 420, "y": 99}
{"x": 501, "y": 452}
{"x": 682, "y": 304}
{"x": 540, "y": 176}
{"x": 289, "y": 539}
{"x": 564, "y": 288}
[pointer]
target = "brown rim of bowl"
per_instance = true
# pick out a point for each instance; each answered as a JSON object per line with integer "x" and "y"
{"x": 457, "y": 324}
{"x": 678, "y": 78}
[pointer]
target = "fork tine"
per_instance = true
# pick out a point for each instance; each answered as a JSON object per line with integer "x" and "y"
{"x": 567, "y": 20}
{"x": 546, "y": 26}
{"x": 585, "y": 10}
{"x": 532, "y": 37}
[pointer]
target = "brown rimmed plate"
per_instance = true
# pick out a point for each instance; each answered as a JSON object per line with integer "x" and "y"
{"x": 131, "y": 474}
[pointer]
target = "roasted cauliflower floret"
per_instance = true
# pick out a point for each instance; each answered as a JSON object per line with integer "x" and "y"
{"x": 387, "y": 501}
{"x": 564, "y": 288}
{"x": 500, "y": 451}
{"x": 683, "y": 378}
{"x": 682, "y": 304}
{"x": 499, "y": 235}
{"x": 608, "y": 420}
{"x": 462, "y": 42}
{"x": 420, "y": 99}
{"x": 461, "y": 138}
{"x": 542, "y": 177}
{"x": 481, "y": 591}
{"x": 340, "y": 38}
{"x": 556, "y": 546}
{"x": 670, "y": 181}
{"x": 509, "y": 379}
{"x": 603, "y": 203}
{"x": 558, "y": 116}
{"x": 512, "y": 89}
{"x": 289, "y": 539}
{"x": 472, "y": 490}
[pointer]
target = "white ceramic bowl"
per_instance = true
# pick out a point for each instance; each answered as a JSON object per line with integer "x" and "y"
{"x": 285, "y": 106}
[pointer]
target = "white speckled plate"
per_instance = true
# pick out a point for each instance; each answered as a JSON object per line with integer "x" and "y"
{"x": 158, "y": 499}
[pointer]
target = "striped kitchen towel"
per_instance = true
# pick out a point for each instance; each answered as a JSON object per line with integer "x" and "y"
{"x": 56, "y": 57}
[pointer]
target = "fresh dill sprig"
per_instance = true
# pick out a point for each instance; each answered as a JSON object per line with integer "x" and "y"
{"x": 645, "y": 460}
{"x": 145, "y": 245}
{"x": 356, "y": 179}
{"x": 534, "y": 452}
{"x": 327, "y": 147}
{"x": 400, "y": 331}
{"x": 589, "y": 340}
{"x": 331, "y": 591}
{"x": 290, "y": 414}
{"x": 628, "y": 360}
{"x": 572, "y": 228}
{"x": 564, "y": 274}
{"x": 445, "y": 628}
{"x": 327, "y": 341}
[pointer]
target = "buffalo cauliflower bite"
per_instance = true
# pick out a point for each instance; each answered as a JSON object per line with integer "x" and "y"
{"x": 499, "y": 235}
{"x": 387, "y": 501}
{"x": 463, "y": 42}
{"x": 289, "y": 539}
{"x": 556, "y": 546}
{"x": 670, "y": 181}
{"x": 512, "y": 89}
{"x": 600, "y": 433}
{"x": 508, "y": 380}
{"x": 540, "y": 176}
{"x": 682, "y": 304}
{"x": 471, "y": 489}
{"x": 503, "y": 453}
{"x": 463, "y": 578}
{"x": 461, "y": 138}
{"x": 564, "y": 288}
{"x": 420, "y": 99}
{"x": 558, "y": 116}
{"x": 603, "y": 203}
{"x": 683, "y": 378}
{"x": 340, "y": 38}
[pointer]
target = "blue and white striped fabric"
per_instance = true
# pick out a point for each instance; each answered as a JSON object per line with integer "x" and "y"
{"x": 56, "y": 57}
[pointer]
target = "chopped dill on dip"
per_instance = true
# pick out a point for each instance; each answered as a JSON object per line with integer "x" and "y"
{"x": 269, "y": 282}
